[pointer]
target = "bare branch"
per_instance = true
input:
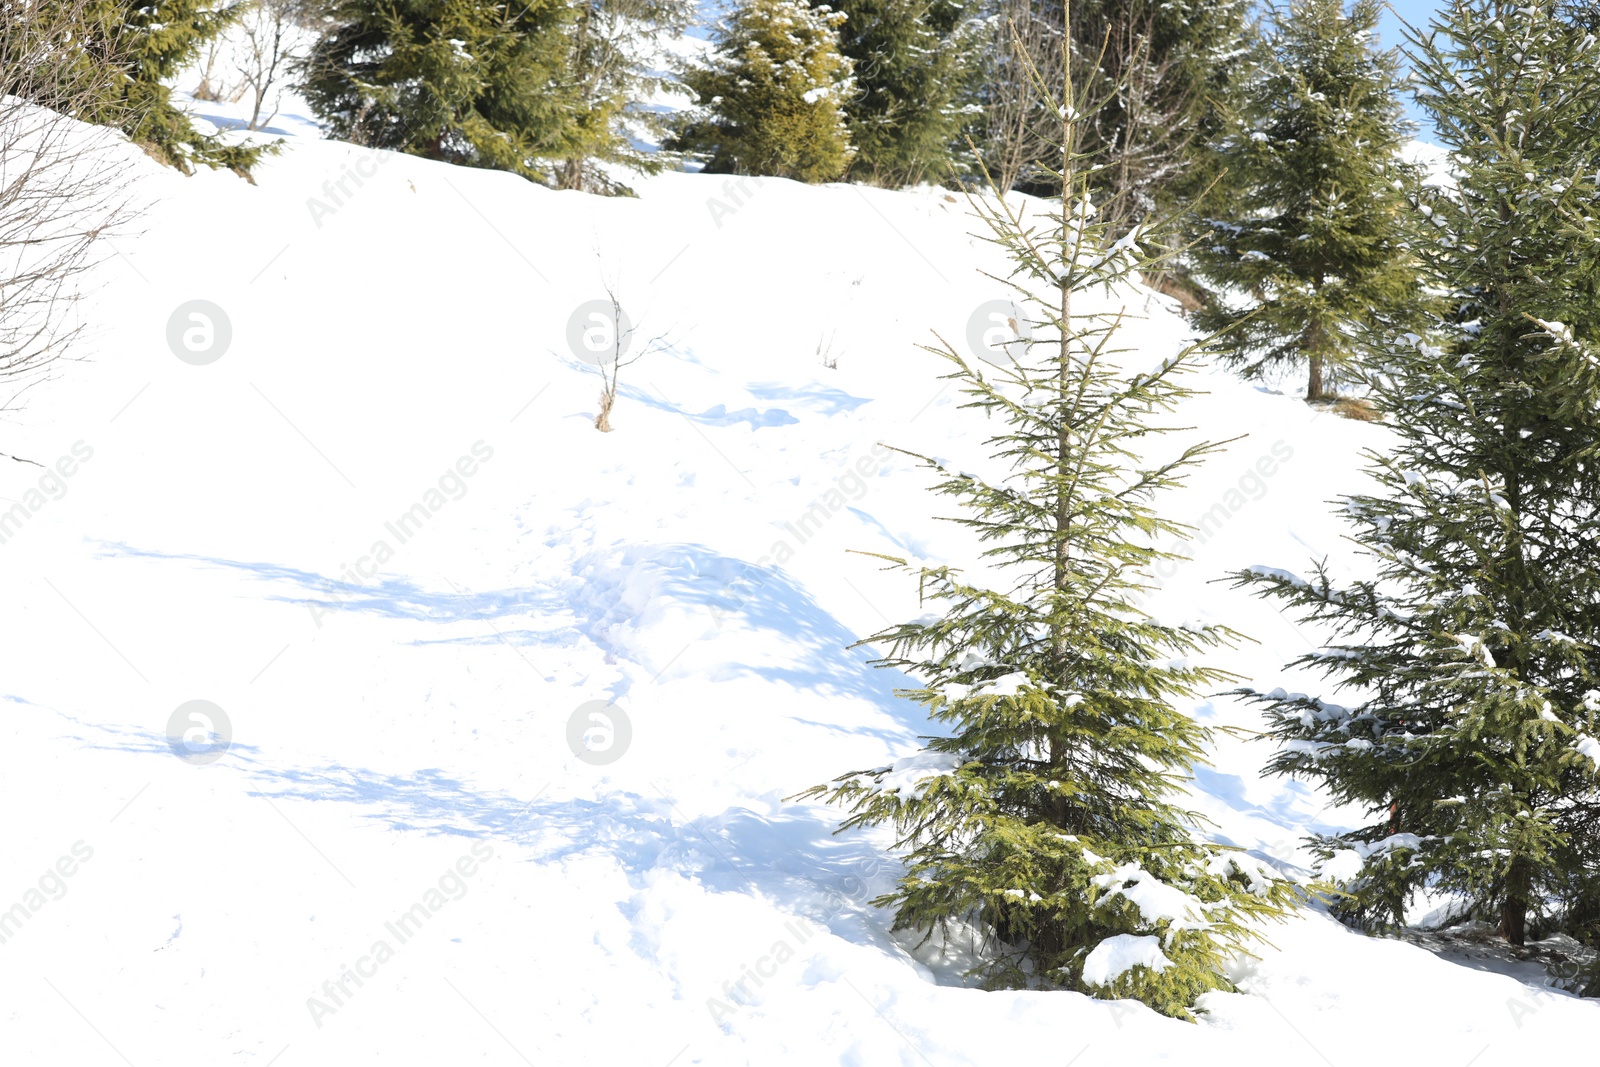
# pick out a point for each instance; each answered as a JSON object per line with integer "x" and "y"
{"x": 62, "y": 183}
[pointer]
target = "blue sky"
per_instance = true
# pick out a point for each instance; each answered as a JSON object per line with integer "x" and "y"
{"x": 1416, "y": 12}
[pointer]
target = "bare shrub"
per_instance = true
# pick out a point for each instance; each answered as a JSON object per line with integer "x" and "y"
{"x": 1357, "y": 408}
{"x": 277, "y": 35}
{"x": 610, "y": 364}
{"x": 63, "y": 189}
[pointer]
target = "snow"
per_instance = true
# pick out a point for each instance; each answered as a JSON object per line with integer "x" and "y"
{"x": 911, "y": 774}
{"x": 1156, "y": 900}
{"x": 1474, "y": 647}
{"x": 511, "y": 788}
{"x": 1115, "y": 956}
{"x": 1343, "y": 866}
{"x": 1279, "y": 574}
{"x": 1007, "y": 685}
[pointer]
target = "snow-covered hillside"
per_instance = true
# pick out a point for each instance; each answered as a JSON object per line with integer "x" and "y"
{"x": 371, "y": 522}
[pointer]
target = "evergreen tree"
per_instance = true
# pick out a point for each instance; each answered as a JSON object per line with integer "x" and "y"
{"x": 481, "y": 83}
{"x": 910, "y": 62}
{"x": 772, "y": 96}
{"x": 1046, "y": 818}
{"x": 1316, "y": 236}
{"x": 1466, "y": 672}
{"x": 149, "y": 42}
{"x": 612, "y": 63}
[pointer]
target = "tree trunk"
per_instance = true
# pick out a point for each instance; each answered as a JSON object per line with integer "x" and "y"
{"x": 1314, "y": 342}
{"x": 1514, "y": 909}
{"x": 572, "y": 174}
{"x": 1314, "y": 386}
{"x": 1063, "y": 505}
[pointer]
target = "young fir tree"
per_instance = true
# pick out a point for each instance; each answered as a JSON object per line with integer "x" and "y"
{"x": 1466, "y": 671}
{"x": 473, "y": 82}
{"x": 1047, "y": 817}
{"x": 911, "y": 63}
{"x": 150, "y": 41}
{"x": 1316, "y": 236}
{"x": 612, "y": 60}
{"x": 772, "y": 95}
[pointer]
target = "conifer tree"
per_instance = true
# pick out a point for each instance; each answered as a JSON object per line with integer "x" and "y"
{"x": 1464, "y": 707}
{"x": 148, "y": 42}
{"x": 474, "y": 82}
{"x": 911, "y": 62}
{"x": 772, "y": 95}
{"x": 1047, "y": 817}
{"x": 1316, "y": 235}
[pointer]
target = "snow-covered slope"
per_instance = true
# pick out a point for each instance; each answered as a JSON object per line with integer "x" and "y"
{"x": 402, "y": 858}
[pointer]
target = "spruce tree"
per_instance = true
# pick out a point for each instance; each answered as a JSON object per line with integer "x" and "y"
{"x": 772, "y": 95}
{"x": 1464, "y": 704}
{"x": 474, "y": 82}
{"x": 1316, "y": 236}
{"x": 1047, "y": 818}
{"x": 911, "y": 62}
{"x": 149, "y": 42}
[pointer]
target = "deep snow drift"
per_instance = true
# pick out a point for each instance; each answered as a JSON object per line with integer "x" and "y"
{"x": 380, "y": 533}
